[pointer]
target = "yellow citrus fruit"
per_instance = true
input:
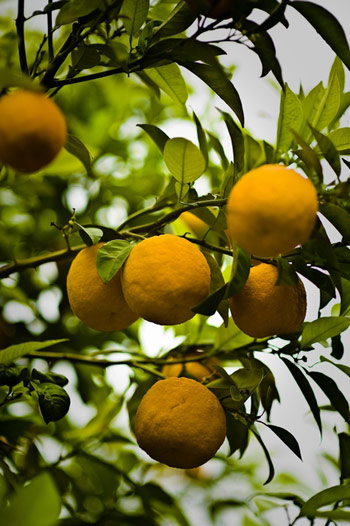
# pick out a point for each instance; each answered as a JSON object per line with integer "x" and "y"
{"x": 271, "y": 209}
{"x": 220, "y": 8}
{"x": 179, "y": 422}
{"x": 98, "y": 305}
{"x": 197, "y": 370}
{"x": 264, "y": 309}
{"x": 164, "y": 277}
{"x": 32, "y": 130}
{"x": 194, "y": 223}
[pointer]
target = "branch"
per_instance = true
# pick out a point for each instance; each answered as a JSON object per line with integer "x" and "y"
{"x": 171, "y": 216}
{"x": 20, "y": 34}
{"x": 36, "y": 261}
{"x": 49, "y": 34}
{"x": 76, "y": 80}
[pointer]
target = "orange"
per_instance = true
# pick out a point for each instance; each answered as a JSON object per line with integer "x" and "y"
{"x": 179, "y": 422}
{"x": 271, "y": 210}
{"x": 98, "y": 305}
{"x": 263, "y": 308}
{"x": 32, "y": 130}
{"x": 196, "y": 370}
{"x": 164, "y": 277}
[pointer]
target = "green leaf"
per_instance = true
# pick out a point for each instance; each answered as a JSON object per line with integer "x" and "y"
{"x": 50, "y": 377}
{"x": 170, "y": 80}
{"x": 332, "y": 391}
{"x": 209, "y": 306}
{"x": 340, "y": 366}
{"x": 338, "y": 69}
{"x": 248, "y": 379}
{"x": 184, "y": 160}
{"x": 328, "y": 105}
{"x": 54, "y": 401}
{"x": 202, "y": 140}
{"x": 337, "y": 348}
{"x": 287, "y": 438}
{"x": 286, "y": 273}
{"x": 327, "y": 26}
{"x": 266, "y": 452}
{"x": 35, "y": 504}
{"x": 157, "y": 135}
{"x": 179, "y": 19}
{"x": 216, "y": 283}
{"x": 290, "y": 116}
{"x": 135, "y": 14}
{"x": 240, "y": 271}
{"x": 265, "y": 49}
{"x": 322, "y": 329}
{"x": 110, "y": 258}
{"x": 328, "y": 150}
{"x": 338, "y": 217}
{"x": 327, "y": 496}
{"x": 217, "y": 80}
{"x": 76, "y": 147}
{"x": 341, "y": 140}
{"x": 344, "y": 455}
{"x": 237, "y": 434}
{"x": 12, "y": 353}
{"x": 10, "y": 78}
{"x": 75, "y": 9}
{"x": 309, "y": 157}
{"x": 306, "y": 389}
{"x": 321, "y": 280}
{"x": 237, "y": 141}
{"x": 89, "y": 235}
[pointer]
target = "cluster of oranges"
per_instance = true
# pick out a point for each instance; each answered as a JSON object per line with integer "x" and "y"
{"x": 270, "y": 210}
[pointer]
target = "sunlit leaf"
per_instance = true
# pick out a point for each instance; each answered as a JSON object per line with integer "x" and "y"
{"x": 135, "y": 14}
{"x": 170, "y": 80}
{"x": 341, "y": 140}
{"x": 290, "y": 117}
{"x": 35, "y": 504}
{"x": 12, "y": 353}
{"x": 322, "y": 329}
{"x": 184, "y": 160}
{"x": 328, "y": 150}
{"x": 110, "y": 258}
{"x": 328, "y": 496}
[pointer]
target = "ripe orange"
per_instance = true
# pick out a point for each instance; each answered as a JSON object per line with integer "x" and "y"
{"x": 271, "y": 209}
{"x": 179, "y": 422}
{"x": 32, "y": 130}
{"x": 264, "y": 309}
{"x": 164, "y": 277}
{"x": 100, "y": 306}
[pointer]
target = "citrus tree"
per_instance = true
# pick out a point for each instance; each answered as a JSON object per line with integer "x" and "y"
{"x": 154, "y": 288}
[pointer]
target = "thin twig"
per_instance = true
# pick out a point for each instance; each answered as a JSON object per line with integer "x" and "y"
{"x": 20, "y": 35}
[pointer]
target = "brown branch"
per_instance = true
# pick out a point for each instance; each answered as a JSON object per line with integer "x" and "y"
{"x": 16, "y": 266}
{"x": 20, "y": 35}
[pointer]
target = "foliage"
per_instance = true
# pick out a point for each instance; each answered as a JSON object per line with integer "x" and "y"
{"x": 119, "y": 70}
